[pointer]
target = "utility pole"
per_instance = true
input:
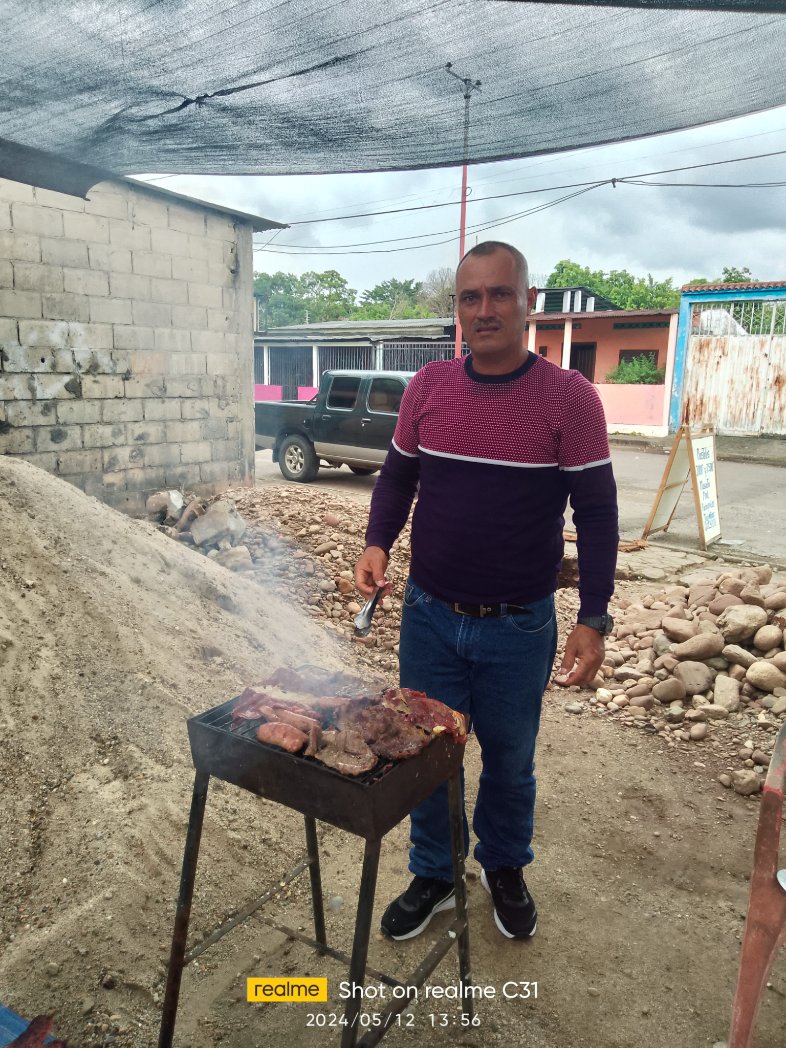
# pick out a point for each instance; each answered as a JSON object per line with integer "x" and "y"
{"x": 468, "y": 86}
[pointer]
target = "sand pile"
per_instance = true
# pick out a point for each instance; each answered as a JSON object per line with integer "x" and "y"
{"x": 111, "y": 636}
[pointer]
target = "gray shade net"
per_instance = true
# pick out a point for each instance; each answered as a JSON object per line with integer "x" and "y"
{"x": 316, "y": 86}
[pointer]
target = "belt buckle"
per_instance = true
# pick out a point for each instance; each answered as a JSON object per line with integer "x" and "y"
{"x": 458, "y": 609}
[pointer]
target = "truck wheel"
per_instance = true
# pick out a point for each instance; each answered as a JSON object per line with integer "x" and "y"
{"x": 361, "y": 471}
{"x": 297, "y": 459}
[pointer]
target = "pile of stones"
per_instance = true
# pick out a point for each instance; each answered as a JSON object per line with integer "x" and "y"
{"x": 215, "y": 529}
{"x": 702, "y": 662}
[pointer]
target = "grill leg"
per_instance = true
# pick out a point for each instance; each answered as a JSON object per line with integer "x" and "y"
{"x": 357, "y": 964}
{"x": 460, "y": 880}
{"x": 312, "y": 846}
{"x": 183, "y": 913}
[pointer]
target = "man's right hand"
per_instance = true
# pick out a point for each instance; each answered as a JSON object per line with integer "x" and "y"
{"x": 370, "y": 571}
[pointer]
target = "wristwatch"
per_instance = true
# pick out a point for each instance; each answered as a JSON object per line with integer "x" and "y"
{"x": 604, "y": 624}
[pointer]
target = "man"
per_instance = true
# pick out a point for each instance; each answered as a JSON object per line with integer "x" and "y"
{"x": 497, "y": 442}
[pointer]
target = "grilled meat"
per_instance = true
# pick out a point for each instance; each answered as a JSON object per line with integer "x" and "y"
{"x": 393, "y": 725}
{"x": 285, "y": 736}
{"x": 346, "y": 751}
{"x": 431, "y": 714}
{"x": 387, "y": 733}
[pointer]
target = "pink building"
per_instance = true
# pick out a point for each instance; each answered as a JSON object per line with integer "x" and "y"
{"x": 588, "y": 333}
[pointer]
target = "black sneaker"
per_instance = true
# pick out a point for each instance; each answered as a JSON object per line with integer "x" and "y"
{"x": 409, "y": 914}
{"x": 514, "y": 909}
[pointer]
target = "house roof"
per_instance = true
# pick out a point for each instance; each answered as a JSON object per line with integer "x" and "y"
{"x": 748, "y": 286}
{"x": 372, "y": 330}
{"x": 601, "y": 314}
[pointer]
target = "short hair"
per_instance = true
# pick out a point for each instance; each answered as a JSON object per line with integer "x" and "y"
{"x": 489, "y": 247}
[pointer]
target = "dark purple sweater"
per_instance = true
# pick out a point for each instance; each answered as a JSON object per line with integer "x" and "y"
{"x": 496, "y": 458}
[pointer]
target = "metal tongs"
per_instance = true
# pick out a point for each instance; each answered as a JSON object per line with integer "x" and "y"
{"x": 364, "y": 619}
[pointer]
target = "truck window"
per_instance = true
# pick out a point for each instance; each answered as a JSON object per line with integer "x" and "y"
{"x": 343, "y": 392}
{"x": 385, "y": 395}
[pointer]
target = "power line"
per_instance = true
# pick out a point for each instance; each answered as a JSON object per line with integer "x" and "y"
{"x": 543, "y": 189}
{"x": 479, "y": 228}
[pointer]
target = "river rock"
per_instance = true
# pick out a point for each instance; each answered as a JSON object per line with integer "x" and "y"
{"x": 679, "y": 630}
{"x": 723, "y": 601}
{"x": 741, "y": 622}
{"x": 768, "y": 637}
{"x": 695, "y": 676}
{"x": 751, "y": 594}
{"x": 671, "y": 690}
{"x": 702, "y": 646}
{"x": 779, "y": 706}
{"x": 237, "y": 558}
{"x": 698, "y": 732}
{"x": 643, "y": 702}
{"x": 702, "y": 593}
{"x": 731, "y": 584}
{"x": 220, "y": 521}
{"x": 765, "y": 675}
{"x": 738, "y": 655}
{"x": 745, "y": 782}
{"x": 775, "y": 601}
{"x": 674, "y": 715}
{"x": 712, "y": 711}
{"x": 726, "y": 692}
{"x": 780, "y": 660}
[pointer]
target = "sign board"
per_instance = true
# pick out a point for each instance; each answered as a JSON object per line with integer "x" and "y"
{"x": 692, "y": 457}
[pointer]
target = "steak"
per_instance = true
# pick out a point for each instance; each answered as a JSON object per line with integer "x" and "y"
{"x": 388, "y": 734}
{"x": 348, "y": 732}
{"x": 346, "y": 751}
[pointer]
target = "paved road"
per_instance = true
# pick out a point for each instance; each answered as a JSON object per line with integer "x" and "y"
{"x": 752, "y": 499}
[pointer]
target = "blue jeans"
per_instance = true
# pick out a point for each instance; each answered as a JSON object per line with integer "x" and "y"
{"x": 494, "y": 670}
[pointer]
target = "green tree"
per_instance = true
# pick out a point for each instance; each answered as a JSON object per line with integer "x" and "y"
{"x": 280, "y": 300}
{"x": 732, "y": 275}
{"x": 395, "y": 294}
{"x": 621, "y": 287}
{"x": 327, "y": 296}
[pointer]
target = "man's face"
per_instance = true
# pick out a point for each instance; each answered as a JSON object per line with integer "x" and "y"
{"x": 492, "y": 305}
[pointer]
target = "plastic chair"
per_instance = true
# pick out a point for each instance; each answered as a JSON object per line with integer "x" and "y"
{"x": 765, "y": 927}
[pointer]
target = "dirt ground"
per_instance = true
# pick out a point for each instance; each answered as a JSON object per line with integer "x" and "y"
{"x": 111, "y": 635}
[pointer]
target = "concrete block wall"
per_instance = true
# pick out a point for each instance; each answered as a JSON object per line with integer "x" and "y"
{"x": 126, "y": 343}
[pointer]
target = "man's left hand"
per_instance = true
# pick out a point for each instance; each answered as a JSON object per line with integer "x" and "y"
{"x": 584, "y": 652}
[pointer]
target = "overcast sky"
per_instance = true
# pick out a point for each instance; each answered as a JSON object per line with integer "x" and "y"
{"x": 679, "y": 232}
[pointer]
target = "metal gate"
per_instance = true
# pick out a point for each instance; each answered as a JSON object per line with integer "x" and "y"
{"x": 290, "y": 367}
{"x": 411, "y": 356}
{"x": 735, "y": 370}
{"x": 341, "y": 358}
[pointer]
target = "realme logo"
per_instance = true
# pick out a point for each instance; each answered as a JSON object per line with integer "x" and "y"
{"x": 306, "y": 990}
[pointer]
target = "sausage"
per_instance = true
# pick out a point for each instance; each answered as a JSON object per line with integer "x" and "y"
{"x": 286, "y": 736}
{"x": 299, "y": 720}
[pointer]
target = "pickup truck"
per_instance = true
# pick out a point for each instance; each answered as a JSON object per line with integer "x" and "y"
{"x": 349, "y": 422}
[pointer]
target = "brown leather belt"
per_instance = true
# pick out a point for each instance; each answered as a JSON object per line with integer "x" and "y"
{"x": 488, "y": 611}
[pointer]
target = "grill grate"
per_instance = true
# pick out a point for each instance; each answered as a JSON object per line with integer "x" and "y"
{"x": 220, "y": 718}
{"x": 368, "y": 805}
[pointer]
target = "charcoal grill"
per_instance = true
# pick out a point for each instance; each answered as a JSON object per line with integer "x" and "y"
{"x": 368, "y": 806}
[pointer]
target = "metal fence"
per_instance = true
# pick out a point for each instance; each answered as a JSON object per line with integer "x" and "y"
{"x": 290, "y": 367}
{"x": 353, "y": 358}
{"x": 739, "y": 317}
{"x": 411, "y": 356}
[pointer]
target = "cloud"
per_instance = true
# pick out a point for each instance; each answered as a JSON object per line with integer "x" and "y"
{"x": 678, "y": 232}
